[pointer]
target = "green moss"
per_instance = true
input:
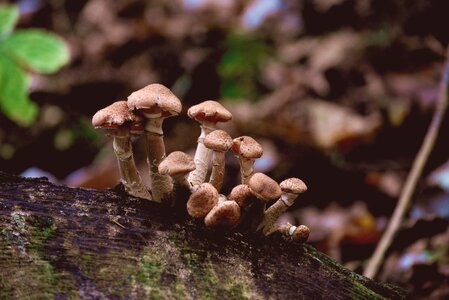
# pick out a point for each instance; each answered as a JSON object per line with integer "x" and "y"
{"x": 359, "y": 291}
{"x": 211, "y": 277}
{"x": 40, "y": 233}
{"x": 179, "y": 290}
{"x": 26, "y": 238}
{"x": 150, "y": 270}
{"x": 236, "y": 291}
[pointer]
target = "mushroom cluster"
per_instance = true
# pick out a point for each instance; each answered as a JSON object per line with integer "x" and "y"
{"x": 244, "y": 209}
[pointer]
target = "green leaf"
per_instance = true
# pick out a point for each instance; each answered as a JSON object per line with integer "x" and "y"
{"x": 39, "y": 50}
{"x": 8, "y": 18}
{"x": 14, "y": 100}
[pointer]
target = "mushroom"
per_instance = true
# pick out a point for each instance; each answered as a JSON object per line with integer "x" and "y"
{"x": 243, "y": 195}
{"x": 177, "y": 165}
{"x": 208, "y": 114}
{"x": 120, "y": 123}
{"x": 219, "y": 141}
{"x": 266, "y": 190}
{"x": 245, "y": 199}
{"x": 248, "y": 151}
{"x": 225, "y": 214}
{"x": 297, "y": 233}
{"x": 156, "y": 102}
{"x": 203, "y": 198}
{"x": 291, "y": 188}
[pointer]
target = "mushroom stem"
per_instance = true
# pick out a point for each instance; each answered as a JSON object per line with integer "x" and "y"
{"x": 201, "y": 159}
{"x": 272, "y": 214}
{"x": 246, "y": 168}
{"x": 162, "y": 185}
{"x": 128, "y": 171}
{"x": 218, "y": 169}
{"x": 286, "y": 229}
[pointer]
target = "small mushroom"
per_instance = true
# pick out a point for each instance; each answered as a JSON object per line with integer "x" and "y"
{"x": 297, "y": 233}
{"x": 219, "y": 141}
{"x": 120, "y": 122}
{"x": 225, "y": 214}
{"x": 208, "y": 114}
{"x": 178, "y": 165}
{"x": 291, "y": 188}
{"x": 248, "y": 150}
{"x": 245, "y": 198}
{"x": 266, "y": 190}
{"x": 243, "y": 195}
{"x": 156, "y": 102}
{"x": 203, "y": 198}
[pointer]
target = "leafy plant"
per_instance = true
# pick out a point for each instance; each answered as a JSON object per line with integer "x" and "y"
{"x": 21, "y": 51}
{"x": 241, "y": 64}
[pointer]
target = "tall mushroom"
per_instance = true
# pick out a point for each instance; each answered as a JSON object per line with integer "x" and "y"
{"x": 266, "y": 190}
{"x": 156, "y": 102}
{"x": 120, "y": 122}
{"x": 177, "y": 165}
{"x": 248, "y": 150}
{"x": 208, "y": 114}
{"x": 291, "y": 188}
{"x": 219, "y": 141}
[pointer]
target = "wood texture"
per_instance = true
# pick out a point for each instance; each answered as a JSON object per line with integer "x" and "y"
{"x": 70, "y": 243}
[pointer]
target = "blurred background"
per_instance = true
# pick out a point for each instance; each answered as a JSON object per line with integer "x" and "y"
{"x": 339, "y": 93}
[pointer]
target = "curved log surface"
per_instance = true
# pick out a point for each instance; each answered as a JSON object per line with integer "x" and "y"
{"x": 70, "y": 243}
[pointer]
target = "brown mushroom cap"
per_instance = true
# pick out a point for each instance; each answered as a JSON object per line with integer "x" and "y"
{"x": 264, "y": 187}
{"x": 209, "y": 111}
{"x": 114, "y": 116}
{"x": 155, "y": 97}
{"x": 293, "y": 185}
{"x": 218, "y": 140}
{"x": 225, "y": 215}
{"x": 242, "y": 194}
{"x": 247, "y": 147}
{"x": 202, "y": 200}
{"x": 301, "y": 233}
{"x": 176, "y": 163}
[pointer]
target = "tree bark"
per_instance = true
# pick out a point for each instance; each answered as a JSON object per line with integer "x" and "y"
{"x": 60, "y": 242}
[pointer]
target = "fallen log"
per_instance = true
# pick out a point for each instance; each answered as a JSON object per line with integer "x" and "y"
{"x": 60, "y": 242}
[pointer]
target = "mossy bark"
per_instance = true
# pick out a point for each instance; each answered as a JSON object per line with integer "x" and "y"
{"x": 60, "y": 242}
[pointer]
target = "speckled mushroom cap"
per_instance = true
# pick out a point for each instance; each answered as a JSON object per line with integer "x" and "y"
{"x": 209, "y": 111}
{"x": 202, "y": 200}
{"x": 176, "y": 163}
{"x": 247, "y": 147}
{"x": 153, "y": 97}
{"x": 301, "y": 233}
{"x": 242, "y": 194}
{"x": 225, "y": 215}
{"x": 218, "y": 140}
{"x": 264, "y": 187}
{"x": 114, "y": 116}
{"x": 293, "y": 185}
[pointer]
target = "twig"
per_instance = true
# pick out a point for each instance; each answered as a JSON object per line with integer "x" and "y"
{"x": 117, "y": 223}
{"x": 404, "y": 200}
